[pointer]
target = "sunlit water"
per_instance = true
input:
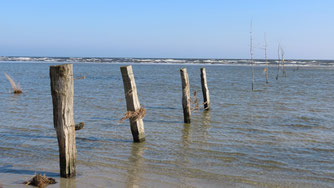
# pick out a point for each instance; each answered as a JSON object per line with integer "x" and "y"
{"x": 280, "y": 135}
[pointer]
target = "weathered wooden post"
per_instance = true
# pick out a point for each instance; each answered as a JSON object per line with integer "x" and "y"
{"x": 61, "y": 77}
{"x": 132, "y": 103}
{"x": 205, "y": 90}
{"x": 185, "y": 95}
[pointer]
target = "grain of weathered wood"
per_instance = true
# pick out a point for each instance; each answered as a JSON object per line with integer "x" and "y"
{"x": 185, "y": 95}
{"x": 61, "y": 80}
{"x": 132, "y": 103}
{"x": 205, "y": 90}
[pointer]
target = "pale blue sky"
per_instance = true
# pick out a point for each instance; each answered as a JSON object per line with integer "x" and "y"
{"x": 170, "y": 28}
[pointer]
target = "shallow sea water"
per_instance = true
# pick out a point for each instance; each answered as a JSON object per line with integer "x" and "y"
{"x": 280, "y": 135}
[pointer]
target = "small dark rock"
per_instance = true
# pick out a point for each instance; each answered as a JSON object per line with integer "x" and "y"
{"x": 40, "y": 181}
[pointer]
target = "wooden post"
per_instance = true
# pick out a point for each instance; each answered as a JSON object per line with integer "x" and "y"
{"x": 205, "y": 90}
{"x": 185, "y": 95}
{"x": 61, "y": 77}
{"x": 132, "y": 103}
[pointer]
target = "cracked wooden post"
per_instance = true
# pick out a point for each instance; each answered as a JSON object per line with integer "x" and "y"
{"x": 132, "y": 103}
{"x": 61, "y": 77}
{"x": 185, "y": 95}
{"x": 205, "y": 90}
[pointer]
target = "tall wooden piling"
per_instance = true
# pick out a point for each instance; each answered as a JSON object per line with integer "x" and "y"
{"x": 205, "y": 90}
{"x": 61, "y": 77}
{"x": 132, "y": 103}
{"x": 185, "y": 95}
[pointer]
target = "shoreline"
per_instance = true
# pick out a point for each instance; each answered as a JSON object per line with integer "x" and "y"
{"x": 171, "y": 63}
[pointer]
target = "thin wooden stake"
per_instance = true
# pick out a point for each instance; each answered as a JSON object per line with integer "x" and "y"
{"x": 185, "y": 95}
{"x": 278, "y": 60}
{"x": 205, "y": 90}
{"x": 266, "y": 70}
{"x": 251, "y": 53}
{"x": 61, "y": 77}
{"x": 132, "y": 103}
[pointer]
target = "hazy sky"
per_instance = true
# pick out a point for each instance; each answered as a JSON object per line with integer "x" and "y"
{"x": 169, "y": 28}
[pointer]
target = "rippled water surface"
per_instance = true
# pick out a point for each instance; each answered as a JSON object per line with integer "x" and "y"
{"x": 280, "y": 135}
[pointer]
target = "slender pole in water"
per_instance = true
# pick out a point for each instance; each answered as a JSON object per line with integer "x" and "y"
{"x": 278, "y": 61}
{"x": 283, "y": 69}
{"x": 132, "y": 103}
{"x": 205, "y": 90}
{"x": 61, "y": 77}
{"x": 266, "y": 58}
{"x": 251, "y": 53}
{"x": 185, "y": 95}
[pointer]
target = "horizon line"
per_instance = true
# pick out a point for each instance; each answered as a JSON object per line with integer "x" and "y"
{"x": 101, "y": 57}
